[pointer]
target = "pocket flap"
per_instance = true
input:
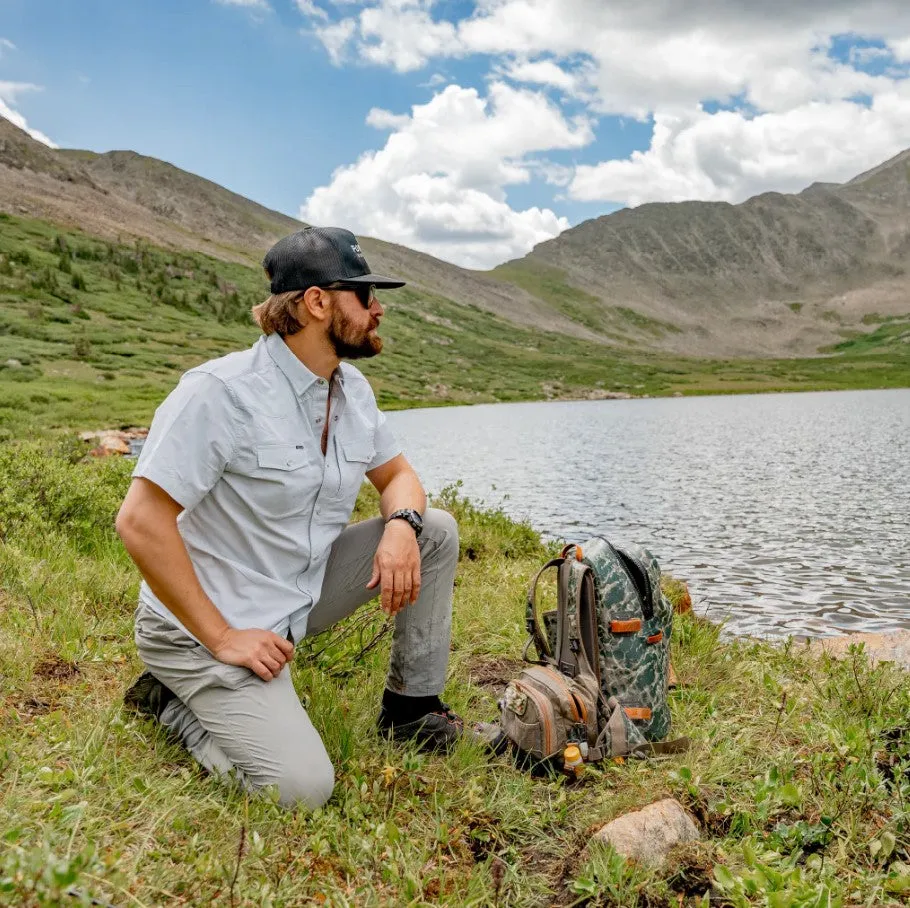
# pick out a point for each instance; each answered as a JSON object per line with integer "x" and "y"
{"x": 281, "y": 457}
{"x": 359, "y": 451}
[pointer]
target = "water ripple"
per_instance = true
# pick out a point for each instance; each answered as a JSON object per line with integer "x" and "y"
{"x": 787, "y": 513}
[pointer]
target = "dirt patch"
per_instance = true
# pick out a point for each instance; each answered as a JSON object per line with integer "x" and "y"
{"x": 495, "y": 673}
{"x": 31, "y": 707}
{"x": 53, "y": 668}
{"x": 691, "y": 870}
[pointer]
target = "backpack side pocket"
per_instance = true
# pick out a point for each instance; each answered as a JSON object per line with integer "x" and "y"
{"x": 531, "y": 720}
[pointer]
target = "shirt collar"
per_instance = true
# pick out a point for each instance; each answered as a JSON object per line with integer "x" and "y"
{"x": 300, "y": 377}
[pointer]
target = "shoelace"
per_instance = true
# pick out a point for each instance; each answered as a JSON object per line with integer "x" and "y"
{"x": 450, "y": 714}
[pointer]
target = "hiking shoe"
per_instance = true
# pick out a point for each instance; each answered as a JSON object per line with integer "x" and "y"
{"x": 439, "y": 730}
{"x": 148, "y": 696}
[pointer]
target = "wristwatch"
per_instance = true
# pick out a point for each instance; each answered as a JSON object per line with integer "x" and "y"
{"x": 411, "y": 516}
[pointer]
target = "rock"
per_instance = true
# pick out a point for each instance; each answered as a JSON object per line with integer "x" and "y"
{"x": 647, "y": 835}
{"x": 114, "y": 444}
{"x": 879, "y": 647}
{"x": 14, "y": 364}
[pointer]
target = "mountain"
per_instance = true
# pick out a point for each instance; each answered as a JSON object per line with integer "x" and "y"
{"x": 124, "y": 194}
{"x": 778, "y": 275}
{"x": 781, "y": 271}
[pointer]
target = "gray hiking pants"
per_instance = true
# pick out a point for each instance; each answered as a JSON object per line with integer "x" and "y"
{"x": 229, "y": 719}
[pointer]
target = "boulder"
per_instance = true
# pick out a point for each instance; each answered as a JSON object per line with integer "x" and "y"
{"x": 115, "y": 444}
{"x": 893, "y": 647}
{"x": 647, "y": 835}
{"x": 115, "y": 441}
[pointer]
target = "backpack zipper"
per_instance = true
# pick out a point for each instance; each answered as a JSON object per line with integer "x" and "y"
{"x": 647, "y": 603}
{"x": 544, "y": 710}
{"x": 561, "y": 683}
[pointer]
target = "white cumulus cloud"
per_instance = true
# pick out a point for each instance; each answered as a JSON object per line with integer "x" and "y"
{"x": 439, "y": 183}
{"x": 728, "y": 157}
{"x": 742, "y": 97}
{"x": 8, "y": 93}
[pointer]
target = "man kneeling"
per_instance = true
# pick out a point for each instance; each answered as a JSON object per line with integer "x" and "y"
{"x": 237, "y": 517}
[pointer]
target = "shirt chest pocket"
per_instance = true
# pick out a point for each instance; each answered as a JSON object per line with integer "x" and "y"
{"x": 285, "y": 479}
{"x": 353, "y": 460}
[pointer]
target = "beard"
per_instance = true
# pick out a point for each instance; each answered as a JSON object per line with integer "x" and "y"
{"x": 351, "y": 342}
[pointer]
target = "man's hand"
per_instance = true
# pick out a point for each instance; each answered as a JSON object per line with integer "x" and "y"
{"x": 397, "y": 565}
{"x": 260, "y": 651}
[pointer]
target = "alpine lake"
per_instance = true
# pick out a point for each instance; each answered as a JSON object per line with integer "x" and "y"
{"x": 786, "y": 514}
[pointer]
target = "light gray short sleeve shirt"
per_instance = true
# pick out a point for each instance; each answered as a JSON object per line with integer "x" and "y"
{"x": 238, "y": 444}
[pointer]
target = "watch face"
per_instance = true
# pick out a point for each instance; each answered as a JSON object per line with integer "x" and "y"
{"x": 410, "y": 516}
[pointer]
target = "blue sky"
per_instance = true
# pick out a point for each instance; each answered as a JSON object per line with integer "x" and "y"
{"x": 469, "y": 130}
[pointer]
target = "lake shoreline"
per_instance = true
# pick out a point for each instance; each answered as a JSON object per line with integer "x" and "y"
{"x": 397, "y": 406}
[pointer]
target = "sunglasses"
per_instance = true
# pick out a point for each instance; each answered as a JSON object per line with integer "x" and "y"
{"x": 365, "y": 293}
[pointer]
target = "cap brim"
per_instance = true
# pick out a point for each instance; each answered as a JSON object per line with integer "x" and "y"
{"x": 380, "y": 281}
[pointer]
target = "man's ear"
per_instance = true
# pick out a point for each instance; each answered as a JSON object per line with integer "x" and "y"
{"x": 316, "y": 304}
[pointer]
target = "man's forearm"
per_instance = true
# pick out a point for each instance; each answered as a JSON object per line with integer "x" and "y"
{"x": 162, "y": 559}
{"x": 404, "y": 491}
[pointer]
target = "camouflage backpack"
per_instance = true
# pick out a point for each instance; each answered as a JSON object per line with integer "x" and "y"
{"x": 601, "y": 675}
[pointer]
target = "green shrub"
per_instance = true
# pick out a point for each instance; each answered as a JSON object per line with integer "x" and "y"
{"x": 41, "y": 491}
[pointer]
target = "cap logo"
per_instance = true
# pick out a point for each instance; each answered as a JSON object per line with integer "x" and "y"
{"x": 356, "y": 248}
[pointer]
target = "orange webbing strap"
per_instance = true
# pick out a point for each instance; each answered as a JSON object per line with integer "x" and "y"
{"x": 625, "y": 627}
{"x": 656, "y": 638}
{"x": 638, "y": 712}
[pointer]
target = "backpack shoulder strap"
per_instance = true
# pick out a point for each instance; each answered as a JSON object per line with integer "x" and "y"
{"x": 536, "y": 634}
{"x": 574, "y": 612}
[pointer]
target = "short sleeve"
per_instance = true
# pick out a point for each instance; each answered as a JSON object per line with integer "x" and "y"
{"x": 387, "y": 446}
{"x": 191, "y": 439}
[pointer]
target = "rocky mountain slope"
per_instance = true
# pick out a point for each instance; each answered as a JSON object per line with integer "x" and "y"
{"x": 781, "y": 268}
{"x": 122, "y": 194}
{"x": 776, "y": 275}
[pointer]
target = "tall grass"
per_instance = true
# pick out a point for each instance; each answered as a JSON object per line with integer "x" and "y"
{"x": 797, "y": 774}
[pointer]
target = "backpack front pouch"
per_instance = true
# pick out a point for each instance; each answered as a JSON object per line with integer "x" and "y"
{"x": 543, "y": 710}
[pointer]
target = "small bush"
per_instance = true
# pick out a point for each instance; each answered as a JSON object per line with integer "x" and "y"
{"x": 40, "y": 491}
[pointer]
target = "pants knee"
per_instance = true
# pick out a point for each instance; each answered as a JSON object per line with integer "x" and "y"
{"x": 307, "y": 786}
{"x": 441, "y": 525}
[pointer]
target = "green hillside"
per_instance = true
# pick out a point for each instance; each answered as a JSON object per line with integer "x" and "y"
{"x": 93, "y": 333}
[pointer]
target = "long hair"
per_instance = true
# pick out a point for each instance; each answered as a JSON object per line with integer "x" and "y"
{"x": 278, "y": 314}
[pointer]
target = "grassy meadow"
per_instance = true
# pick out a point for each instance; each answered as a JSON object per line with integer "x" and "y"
{"x": 93, "y": 334}
{"x": 798, "y": 774}
{"x": 799, "y": 771}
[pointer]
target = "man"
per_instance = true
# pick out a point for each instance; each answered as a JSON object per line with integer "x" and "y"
{"x": 236, "y": 518}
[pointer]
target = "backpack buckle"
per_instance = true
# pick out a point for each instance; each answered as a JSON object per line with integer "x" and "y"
{"x": 568, "y": 668}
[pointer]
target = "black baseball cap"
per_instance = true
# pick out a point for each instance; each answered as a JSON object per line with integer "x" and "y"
{"x": 317, "y": 256}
